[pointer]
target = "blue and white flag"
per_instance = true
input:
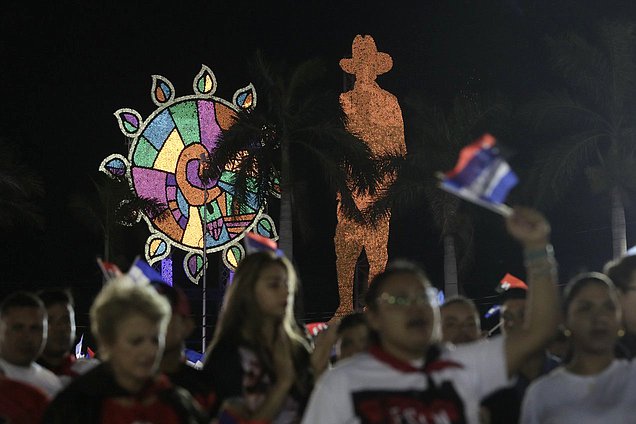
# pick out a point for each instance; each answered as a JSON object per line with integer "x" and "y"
{"x": 78, "y": 348}
{"x": 142, "y": 273}
{"x": 481, "y": 176}
{"x": 258, "y": 243}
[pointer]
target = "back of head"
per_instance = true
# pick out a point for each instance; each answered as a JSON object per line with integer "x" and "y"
{"x": 621, "y": 271}
{"x": 352, "y": 320}
{"x": 122, "y": 298}
{"x": 176, "y": 297}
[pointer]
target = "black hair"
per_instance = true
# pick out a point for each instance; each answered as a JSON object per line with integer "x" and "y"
{"x": 620, "y": 271}
{"x": 462, "y": 300}
{"x": 352, "y": 320}
{"x": 56, "y": 295}
{"x": 580, "y": 281}
{"x": 169, "y": 292}
{"x": 20, "y": 299}
{"x": 398, "y": 267}
{"x": 513, "y": 293}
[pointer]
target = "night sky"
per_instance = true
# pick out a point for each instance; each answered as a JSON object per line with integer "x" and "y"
{"x": 66, "y": 67}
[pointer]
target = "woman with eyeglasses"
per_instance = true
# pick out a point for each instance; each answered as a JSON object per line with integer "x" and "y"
{"x": 260, "y": 361}
{"x": 407, "y": 376}
{"x": 594, "y": 386}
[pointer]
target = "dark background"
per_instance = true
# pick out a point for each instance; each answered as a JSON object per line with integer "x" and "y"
{"x": 66, "y": 67}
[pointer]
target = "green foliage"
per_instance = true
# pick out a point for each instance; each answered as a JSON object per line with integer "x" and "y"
{"x": 298, "y": 121}
{"x": 589, "y": 124}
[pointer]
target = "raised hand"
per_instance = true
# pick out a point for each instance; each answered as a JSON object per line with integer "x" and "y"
{"x": 324, "y": 341}
{"x": 529, "y": 227}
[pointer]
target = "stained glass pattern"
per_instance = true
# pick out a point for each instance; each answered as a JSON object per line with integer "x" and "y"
{"x": 165, "y": 163}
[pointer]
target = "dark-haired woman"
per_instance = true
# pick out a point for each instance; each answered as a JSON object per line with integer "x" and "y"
{"x": 594, "y": 386}
{"x": 260, "y": 360}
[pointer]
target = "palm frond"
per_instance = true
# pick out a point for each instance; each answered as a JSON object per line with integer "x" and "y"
{"x": 557, "y": 165}
{"x": 552, "y": 111}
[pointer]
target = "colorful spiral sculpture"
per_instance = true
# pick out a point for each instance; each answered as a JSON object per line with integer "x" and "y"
{"x": 165, "y": 163}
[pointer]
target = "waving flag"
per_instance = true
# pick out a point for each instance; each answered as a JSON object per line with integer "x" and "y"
{"x": 142, "y": 273}
{"x": 109, "y": 269}
{"x": 258, "y": 243}
{"x": 78, "y": 348}
{"x": 509, "y": 281}
{"x": 481, "y": 176}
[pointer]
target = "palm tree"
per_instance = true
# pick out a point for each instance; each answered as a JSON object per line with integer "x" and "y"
{"x": 297, "y": 121}
{"x": 591, "y": 123}
{"x": 437, "y": 138}
{"x": 112, "y": 205}
{"x": 20, "y": 187}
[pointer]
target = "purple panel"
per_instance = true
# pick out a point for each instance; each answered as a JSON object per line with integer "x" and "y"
{"x": 192, "y": 175}
{"x": 131, "y": 118}
{"x": 171, "y": 192}
{"x": 183, "y": 221}
{"x": 150, "y": 183}
{"x": 192, "y": 265}
{"x": 207, "y": 122}
{"x": 172, "y": 181}
{"x": 116, "y": 171}
{"x": 215, "y": 228}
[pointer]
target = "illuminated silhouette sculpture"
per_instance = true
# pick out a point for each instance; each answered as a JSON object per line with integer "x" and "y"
{"x": 374, "y": 115}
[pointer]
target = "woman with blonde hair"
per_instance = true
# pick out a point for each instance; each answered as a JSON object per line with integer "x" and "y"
{"x": 129, "y": 321}
{"x": 260, "y": 359}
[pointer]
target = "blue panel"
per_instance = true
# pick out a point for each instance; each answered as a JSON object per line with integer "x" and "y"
{"x": 183, "y": 204}
{"x": 159, "y": 129}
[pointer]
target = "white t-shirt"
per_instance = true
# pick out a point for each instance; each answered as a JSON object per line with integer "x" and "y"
{"x": 35, "y": 375}
{"x": 563, "y": 397}
{"x": 374, "y": 387}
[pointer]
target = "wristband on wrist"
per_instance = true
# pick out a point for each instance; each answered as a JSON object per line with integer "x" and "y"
{"x": 541, "y": 254}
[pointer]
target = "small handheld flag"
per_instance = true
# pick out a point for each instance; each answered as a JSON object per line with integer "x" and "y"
{"x": 78, "y": 348}
{"x": 492, "y": 311}
{"x": 481, "y": 176}
{"x": 142, "y": 273}
{"x": 258, "y": 243}
{"x": 508, "y": 282}
{"x": 109, "y": 269}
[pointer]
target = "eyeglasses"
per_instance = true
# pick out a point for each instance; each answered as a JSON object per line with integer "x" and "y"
{"x": 429, "y": 297}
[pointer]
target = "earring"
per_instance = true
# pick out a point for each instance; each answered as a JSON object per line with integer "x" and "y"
{"x": 621, "y": 332}
{"x": 567, "y": 332}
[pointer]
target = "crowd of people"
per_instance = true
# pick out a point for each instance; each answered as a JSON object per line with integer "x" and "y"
{"x": 405, "y": 359}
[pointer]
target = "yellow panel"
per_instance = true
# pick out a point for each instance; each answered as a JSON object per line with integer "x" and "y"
{"x": 154, "y": 245}
{"x": 169, "y": 154}
{"x": 193, "y": 235}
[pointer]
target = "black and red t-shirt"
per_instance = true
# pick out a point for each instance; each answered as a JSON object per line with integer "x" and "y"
{"x": 375, "y": 387}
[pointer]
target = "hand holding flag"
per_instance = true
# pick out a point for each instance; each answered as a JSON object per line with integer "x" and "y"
{"x": 481, "y": 176}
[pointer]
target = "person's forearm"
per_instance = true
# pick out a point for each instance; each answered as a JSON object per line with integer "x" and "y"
{"x": 542, "y": 308}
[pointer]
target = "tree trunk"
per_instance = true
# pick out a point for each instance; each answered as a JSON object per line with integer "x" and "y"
{"x": 619, "y": 236}
{"x": 285, "y": 230}
{"x": 451, "y": 286}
